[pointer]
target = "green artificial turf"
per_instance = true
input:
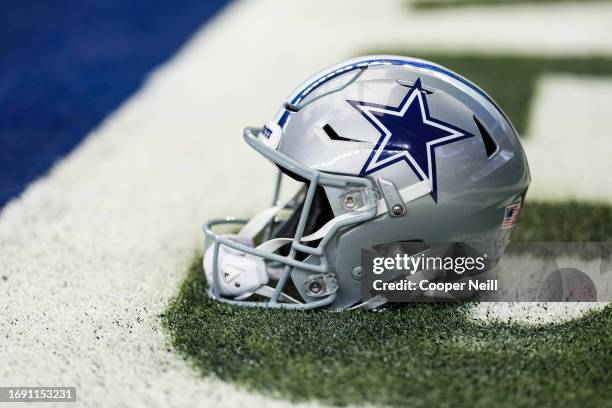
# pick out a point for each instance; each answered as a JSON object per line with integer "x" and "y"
{"x": 511, "y": 80}
{"x": 434, "y": 4}
{"x": 414, "y": 355}
{"x": 563, "y": 222}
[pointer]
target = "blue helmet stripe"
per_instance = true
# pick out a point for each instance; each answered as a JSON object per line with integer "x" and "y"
{"x": 386, "y": 61}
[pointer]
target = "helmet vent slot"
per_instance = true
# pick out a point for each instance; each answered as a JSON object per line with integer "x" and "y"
{"x": 333, "y": 135}
{"x": 489, "y": 143}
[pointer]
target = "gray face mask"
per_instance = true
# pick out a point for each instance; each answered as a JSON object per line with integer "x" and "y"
{"x": 237, "y": 268}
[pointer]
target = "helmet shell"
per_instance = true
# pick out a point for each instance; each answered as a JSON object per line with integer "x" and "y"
{"x": 473, "y": 184}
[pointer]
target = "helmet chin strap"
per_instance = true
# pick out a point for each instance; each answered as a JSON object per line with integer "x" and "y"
{"x": 408, "y": 194}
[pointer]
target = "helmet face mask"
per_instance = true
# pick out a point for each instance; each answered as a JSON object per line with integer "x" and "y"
{"x": 318, "y": 281}
{"x": 390, "y": 149}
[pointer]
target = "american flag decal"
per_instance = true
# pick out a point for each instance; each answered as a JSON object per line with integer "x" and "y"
{"x": 511, "y": 215}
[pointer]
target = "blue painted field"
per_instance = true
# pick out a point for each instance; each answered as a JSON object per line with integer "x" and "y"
{"x": 64, "y": 66}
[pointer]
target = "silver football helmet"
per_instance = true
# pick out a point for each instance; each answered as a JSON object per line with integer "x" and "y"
{"x": 389, "y": 150}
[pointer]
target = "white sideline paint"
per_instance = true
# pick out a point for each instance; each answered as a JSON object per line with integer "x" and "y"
{"x": 535, "y": 313}
{"x": 93, "y": 252}
{"x": 570, "y": 134}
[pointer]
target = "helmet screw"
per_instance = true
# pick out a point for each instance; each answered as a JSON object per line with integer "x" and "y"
{"x": 350, "y": 202}
{"x": 357, "y": 273}
{"x": 397, "y": 209}
{"x": 315, "y": 287}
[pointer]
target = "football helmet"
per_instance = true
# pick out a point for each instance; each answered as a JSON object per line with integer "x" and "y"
{"x": 389, "y": 150}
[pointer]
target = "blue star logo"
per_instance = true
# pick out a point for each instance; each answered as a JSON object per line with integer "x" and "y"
{"x": 408, "y": 134}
